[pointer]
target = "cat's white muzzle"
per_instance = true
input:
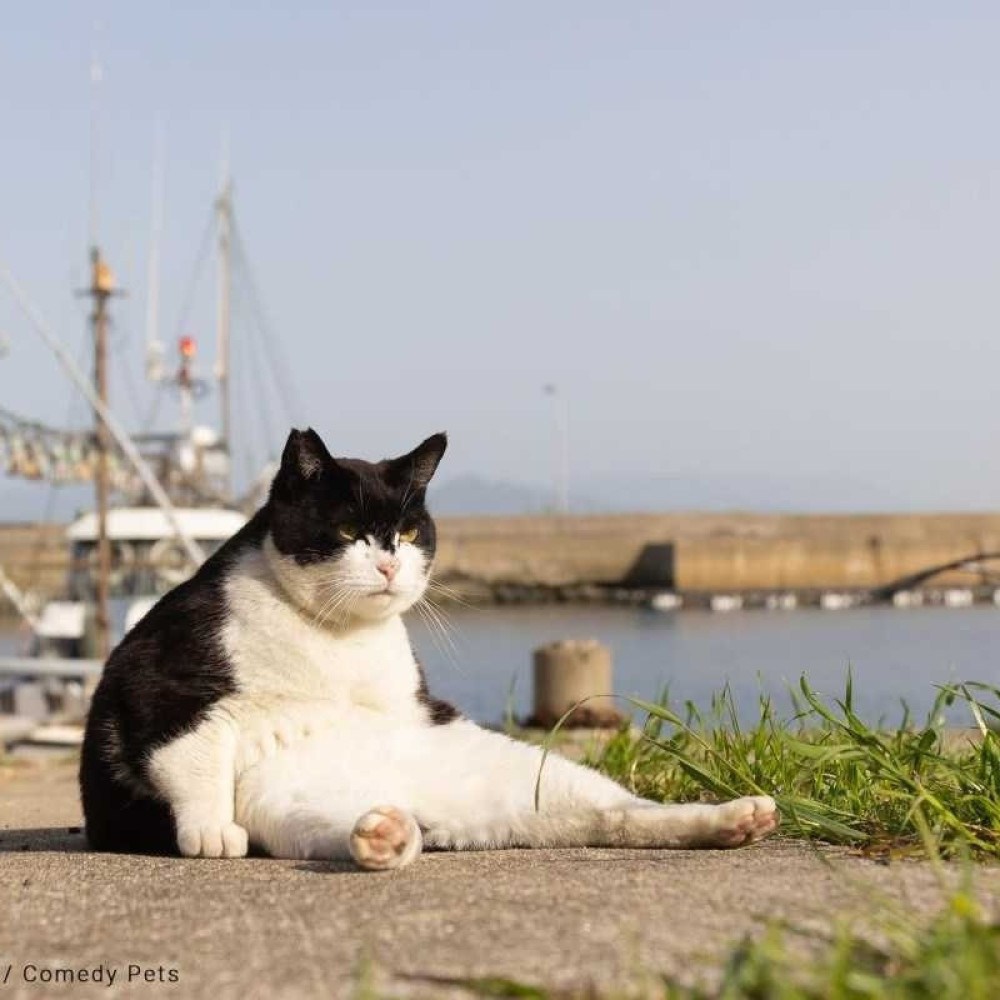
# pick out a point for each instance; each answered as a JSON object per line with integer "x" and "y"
{"x": 383, "y": 603}
{"x": 352, "y": 586}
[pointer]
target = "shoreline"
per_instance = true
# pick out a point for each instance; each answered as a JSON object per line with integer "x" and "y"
{"x": 511, "y": 595}
{"x": 753, "y": 560}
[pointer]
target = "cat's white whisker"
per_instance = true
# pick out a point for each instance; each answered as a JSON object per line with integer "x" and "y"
{"x": 438, "y": 626}
{"x": 331, "y": 600}
{"x": 340, "y": 592}
{"x": 433, "y": 631}
{"x": 451, "y": 595}
{"x": 340, "y": 604}
{"x": 438, "y": 611}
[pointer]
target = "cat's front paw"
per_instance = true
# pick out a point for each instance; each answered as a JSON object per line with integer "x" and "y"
{"x": 385, "y": 837}
{"x": 744, "y": 821}
{"x": 200, "y": 840}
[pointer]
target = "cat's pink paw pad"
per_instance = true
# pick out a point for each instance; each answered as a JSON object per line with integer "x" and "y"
{"x": 384, "y": 838}
{"x": 746, "y": 820}
{"x": 226, "y": 840}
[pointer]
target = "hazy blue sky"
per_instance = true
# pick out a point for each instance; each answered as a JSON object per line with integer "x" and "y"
{"x": 754, "y": 240}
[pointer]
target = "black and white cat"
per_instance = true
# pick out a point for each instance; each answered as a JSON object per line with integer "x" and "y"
{"x": 274, "y": 700}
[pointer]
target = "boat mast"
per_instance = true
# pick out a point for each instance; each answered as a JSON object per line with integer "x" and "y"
{"x": 224, "y": 216}
{"x": 154, "y": 346}
{"x": 100, "y": 290}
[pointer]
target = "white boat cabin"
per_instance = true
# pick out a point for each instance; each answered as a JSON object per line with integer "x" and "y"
{"x": 146, "y": 556}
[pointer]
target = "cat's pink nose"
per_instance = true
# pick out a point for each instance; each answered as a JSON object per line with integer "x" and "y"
{"x": 388, "y": 568}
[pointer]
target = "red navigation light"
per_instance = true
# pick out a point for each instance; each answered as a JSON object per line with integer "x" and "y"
{"x": 187, "y": 347}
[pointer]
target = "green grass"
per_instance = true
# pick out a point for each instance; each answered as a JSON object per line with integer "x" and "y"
{"x": 836, "y": 779}
{"x": 956, "y": 955}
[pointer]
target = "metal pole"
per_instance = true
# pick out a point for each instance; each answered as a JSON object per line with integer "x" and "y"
{"x": 562, "y": 407}
{"x": 100, "y": 290}
{"x": 154, "y": 349}
{"x": 96, "y": 76}
{"x": 561, "y": 447}
{"x": 224, "y": 209}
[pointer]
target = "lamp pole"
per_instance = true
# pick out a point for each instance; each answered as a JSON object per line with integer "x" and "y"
{"x": 560, "y": 412}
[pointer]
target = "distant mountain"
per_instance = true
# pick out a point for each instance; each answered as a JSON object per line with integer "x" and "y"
{"x": 471, "y": 494}
{"x": 733, "y": 492}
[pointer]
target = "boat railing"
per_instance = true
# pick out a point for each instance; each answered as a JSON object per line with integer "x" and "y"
{"x": 49, "y": 666}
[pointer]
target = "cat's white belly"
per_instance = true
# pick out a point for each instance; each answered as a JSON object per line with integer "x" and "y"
{"x": 302, "y": 798}
{"x": 352, "y": 756}
{"x": 459, "y": 781}
{"x": 373, "y": 758}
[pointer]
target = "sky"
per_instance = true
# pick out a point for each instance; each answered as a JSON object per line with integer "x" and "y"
{"x": 748, "y": 243}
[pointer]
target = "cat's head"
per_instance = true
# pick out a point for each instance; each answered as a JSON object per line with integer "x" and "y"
{"x": 351, "y": 539}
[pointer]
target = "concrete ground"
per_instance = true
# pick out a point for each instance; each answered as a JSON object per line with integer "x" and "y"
{"x": 242, "y": 929}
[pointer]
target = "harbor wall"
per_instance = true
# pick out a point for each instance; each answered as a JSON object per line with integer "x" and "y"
{"x": 711, "y": 552}
{"x": 690, "y": 552}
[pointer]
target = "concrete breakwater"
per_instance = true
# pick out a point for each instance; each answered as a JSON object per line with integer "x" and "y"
{"x": 709, "y": 553}
{"x": 692, "y": 553}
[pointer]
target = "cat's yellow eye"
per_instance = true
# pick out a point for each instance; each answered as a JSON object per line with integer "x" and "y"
{"x": 348, "y": 532}
{"x": 410, "y": 535}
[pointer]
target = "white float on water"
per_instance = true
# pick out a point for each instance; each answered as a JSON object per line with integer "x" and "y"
{"x": 667, "y": 601}
{"x": 781, "y": 602}
{"x": 725, "y": 602}
{"x": 958, "y": 597}
{"x": 837, "y": 602}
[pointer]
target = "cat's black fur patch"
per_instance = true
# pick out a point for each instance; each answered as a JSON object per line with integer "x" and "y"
{"x": 315, "y": 495}
{"x": 439, "y": 711}
{"x": 169, "y": 671}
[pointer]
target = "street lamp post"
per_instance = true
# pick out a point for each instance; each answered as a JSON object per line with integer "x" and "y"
{"x": 560, "y": 478}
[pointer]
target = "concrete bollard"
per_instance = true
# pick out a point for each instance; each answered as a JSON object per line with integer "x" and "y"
{"x": 567, "y": 672}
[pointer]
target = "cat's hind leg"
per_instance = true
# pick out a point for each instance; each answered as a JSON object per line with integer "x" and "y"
{"x": 306, "y": 805}
{"x": 730, "y": 824}
{"x": 643, "y": 825}
{"x": 297, "y": 826}
{"x": 742, "y": 821}
{"x": 490, "y": 791}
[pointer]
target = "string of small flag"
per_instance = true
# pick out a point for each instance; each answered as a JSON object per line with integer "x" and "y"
{"x": 31, "y": 450}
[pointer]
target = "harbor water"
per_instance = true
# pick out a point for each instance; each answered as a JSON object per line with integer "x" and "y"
{"x": 894, "y": 655}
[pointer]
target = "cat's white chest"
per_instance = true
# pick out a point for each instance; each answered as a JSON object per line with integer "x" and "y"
{"x": 277, "y": 654}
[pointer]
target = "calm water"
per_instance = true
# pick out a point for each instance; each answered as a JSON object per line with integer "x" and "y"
{"x": 895, "y": 654}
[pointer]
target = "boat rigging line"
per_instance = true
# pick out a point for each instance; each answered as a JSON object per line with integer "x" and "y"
{"x": 276, "y": 358}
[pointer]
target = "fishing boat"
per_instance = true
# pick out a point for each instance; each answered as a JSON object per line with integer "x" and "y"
{"x": 164, "y": 500}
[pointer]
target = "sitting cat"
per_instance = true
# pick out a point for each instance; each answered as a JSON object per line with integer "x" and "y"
{"x": 274, "y": 699}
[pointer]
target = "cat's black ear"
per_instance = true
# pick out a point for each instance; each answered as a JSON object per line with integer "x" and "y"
{"x": 416, "y": 468}
{"x": 305, "y": 456}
